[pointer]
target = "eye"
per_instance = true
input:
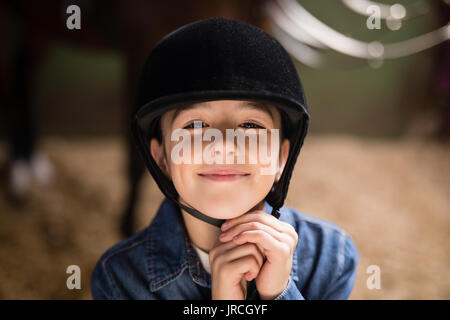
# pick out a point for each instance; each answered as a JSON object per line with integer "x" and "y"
{"x": 251, "y": 125}
{"x": 195, "y": 124}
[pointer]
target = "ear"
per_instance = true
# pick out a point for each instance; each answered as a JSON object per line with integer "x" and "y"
{"x": 158, "y": 154}
{"x": 284, "y": 152}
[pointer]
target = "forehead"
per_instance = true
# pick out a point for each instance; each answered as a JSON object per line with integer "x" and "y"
{"x": 235, "y": 104}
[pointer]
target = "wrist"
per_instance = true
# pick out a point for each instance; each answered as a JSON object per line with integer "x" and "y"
{"x": 273, "y": 296}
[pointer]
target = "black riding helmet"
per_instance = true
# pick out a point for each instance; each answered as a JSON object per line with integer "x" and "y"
{"x": 219, "y": 59}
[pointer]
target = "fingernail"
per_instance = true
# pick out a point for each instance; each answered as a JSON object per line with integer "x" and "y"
{"x": 222, "y": 235}
{"x": 235, "y": 237}
{"x": 224, "y": 225}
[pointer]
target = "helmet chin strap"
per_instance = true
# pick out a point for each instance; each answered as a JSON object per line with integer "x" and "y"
{"x": 194, "y": 212}
{"x": 213, "y": 221}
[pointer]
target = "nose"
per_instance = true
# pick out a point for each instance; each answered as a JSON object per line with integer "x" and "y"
{"x": 218, "y": 151}
{"x": 224, "y": 151}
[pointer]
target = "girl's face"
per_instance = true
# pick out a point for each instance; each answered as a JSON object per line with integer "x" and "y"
{"x": 222, "y": 191}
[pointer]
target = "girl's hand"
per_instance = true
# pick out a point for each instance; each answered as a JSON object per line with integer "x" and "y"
{"x": 275, "y": 238}
{"x": 231, "y": 266}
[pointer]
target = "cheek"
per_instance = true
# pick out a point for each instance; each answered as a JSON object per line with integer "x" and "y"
{"x": 262, "y": 183}
{"x": 181, "y": 170}
{"x": 180, "y": 173}
{"x": 183, "y": 179}
{"x": 264, "y": 153}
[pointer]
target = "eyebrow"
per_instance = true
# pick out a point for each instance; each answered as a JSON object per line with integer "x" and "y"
{"x": 256, "y": 105}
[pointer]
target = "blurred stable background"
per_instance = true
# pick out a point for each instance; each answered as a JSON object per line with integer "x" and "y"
{"x": 376, "y": 160}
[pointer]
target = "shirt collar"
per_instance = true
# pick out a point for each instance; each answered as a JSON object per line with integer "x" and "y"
{"x": 170, "y": 251}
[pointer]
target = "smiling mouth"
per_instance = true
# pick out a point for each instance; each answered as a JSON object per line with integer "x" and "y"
{"x": 224, "y": 175}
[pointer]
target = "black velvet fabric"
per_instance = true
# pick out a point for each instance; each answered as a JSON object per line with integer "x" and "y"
{"x": 219, "y": 59}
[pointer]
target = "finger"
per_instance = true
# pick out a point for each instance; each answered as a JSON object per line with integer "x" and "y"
{"x": 290, "y": 239}
{"x": 219, "y": 250}
{"x": 272, "y": 247}
{"x": 247, "y": 264}
{"x": 256, "y": 215}
{"x": 254, "y": 225}
{"x": 244, "y": 250}
{"x": 236, "y": 253}
{"x": 264, "y": 218}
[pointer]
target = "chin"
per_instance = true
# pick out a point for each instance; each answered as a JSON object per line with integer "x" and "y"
{"x": 227, "y": 207}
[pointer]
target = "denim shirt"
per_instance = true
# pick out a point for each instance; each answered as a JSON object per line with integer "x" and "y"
{"x": 160, "y": 263}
